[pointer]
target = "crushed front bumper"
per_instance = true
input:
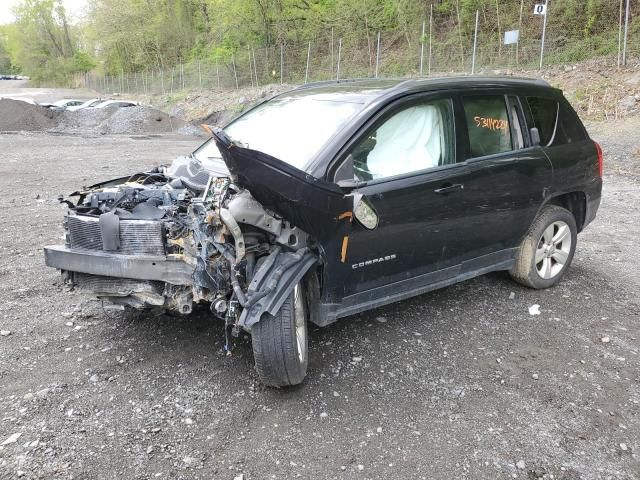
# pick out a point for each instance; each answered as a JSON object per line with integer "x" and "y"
{"x": 170, "y": 268}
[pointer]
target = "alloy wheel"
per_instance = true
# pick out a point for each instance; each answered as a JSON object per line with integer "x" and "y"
{"x": 300, "y": 318}
{"x": 553, "y": 249}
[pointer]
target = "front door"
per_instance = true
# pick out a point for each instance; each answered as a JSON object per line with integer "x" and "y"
{"x": 407, "y": 162}
{"x": 419, "y": 233}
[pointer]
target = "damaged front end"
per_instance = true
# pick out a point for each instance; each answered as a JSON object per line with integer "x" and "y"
{"x": 238, "y": 240}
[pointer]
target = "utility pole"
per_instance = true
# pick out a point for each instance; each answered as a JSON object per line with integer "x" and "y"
{"x": 306, "y": 70}
{"x": 626, "y": 31}
{"x": 331, "y": 52}
{"x": 519, "y": 33}
{"x": 281, "y": 63}
{"x": 475, "y": 44}
{"x": 544, "y": 30}
{"x": 430, "y": 30}
{"x": 339, "y": 55}
{"x": 255, "y": 65}
{"x": 422, "y": 47}
{"x": 378, "y": 55}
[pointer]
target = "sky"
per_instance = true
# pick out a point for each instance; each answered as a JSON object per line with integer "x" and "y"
{"x": 74, "y": 9}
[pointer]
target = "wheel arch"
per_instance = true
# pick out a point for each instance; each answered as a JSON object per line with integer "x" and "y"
{"x": 575, "y": 202}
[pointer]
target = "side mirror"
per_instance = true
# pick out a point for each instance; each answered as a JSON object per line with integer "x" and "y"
{"x": 535, "y": 136}
{"x": 364, "y": 213}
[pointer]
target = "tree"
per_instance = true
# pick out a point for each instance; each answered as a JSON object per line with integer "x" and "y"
{"x": 42, "y": 43}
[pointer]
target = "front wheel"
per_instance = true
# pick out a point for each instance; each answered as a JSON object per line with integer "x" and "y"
{"x": 547, "y": 250}
{"x": 280, "y": 344}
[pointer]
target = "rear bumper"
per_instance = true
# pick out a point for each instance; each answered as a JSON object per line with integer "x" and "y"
{"x": 142, "y": 267}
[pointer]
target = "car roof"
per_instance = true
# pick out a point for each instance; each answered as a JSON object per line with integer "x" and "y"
{"x": 368, "y": 90}
{"x": 66, "y": 100}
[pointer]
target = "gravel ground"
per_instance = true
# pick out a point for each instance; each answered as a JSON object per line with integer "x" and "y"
{"x": 458, "y": 383}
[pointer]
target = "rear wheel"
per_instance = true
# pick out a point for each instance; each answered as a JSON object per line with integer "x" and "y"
{"x": 547, "y": 250}
{"x": 280, "y": 343}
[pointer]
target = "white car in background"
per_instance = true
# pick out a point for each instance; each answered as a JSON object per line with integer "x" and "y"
{"x": 63, "y": 104}
{"x": 88, "y": 104}
{"x": 117, "y": 103}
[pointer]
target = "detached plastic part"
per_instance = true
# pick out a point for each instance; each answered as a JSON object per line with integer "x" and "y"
{"x": 309, "y": 203}
{"x": 277, "y": 276}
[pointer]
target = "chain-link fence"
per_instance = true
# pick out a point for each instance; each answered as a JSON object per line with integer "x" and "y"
{"x": 440, "y": 43}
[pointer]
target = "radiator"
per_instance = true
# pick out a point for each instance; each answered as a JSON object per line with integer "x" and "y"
{"x": 137, "y": 237}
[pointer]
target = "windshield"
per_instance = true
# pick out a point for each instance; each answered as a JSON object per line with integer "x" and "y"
{"x": 291, "y": 129}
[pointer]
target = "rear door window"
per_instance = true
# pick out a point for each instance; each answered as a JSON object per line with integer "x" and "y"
{"x": 545, "y": 113}
{"x": 488, "y": 125}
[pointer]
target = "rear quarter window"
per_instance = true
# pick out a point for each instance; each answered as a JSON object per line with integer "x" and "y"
{"x": 557, "y": 122}
{"x": 570, "y": 128}
{"x": 544, "y": 112}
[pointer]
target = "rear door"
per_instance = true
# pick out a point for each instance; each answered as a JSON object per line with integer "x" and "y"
{"x": 509, "y": 177}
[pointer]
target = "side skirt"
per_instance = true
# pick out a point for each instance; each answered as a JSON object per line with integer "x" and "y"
{"x": 395, "y": 292}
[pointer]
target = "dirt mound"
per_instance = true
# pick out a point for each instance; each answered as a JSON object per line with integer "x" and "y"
{"x": 19, "y": 115}
{"x": 137, "y": 120}
{"x": 215, "y": 107}
{"x": 128, "y": 120}
{"x": 16, "y": 115}
{"x": 87, "y": 120}
{"x": 596, "y": 88}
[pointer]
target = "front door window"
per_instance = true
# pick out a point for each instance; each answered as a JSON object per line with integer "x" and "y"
{"x": 412, "y": 139}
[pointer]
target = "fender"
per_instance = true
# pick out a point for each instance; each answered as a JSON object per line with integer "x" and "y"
{"x": 274, "y": 281}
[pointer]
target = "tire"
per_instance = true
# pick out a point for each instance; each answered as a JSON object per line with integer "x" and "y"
{"x": 547, "y": 250}
{"x": 280, "y": 343}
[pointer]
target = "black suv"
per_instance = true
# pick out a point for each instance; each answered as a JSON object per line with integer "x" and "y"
{"x": 340, "y": 197}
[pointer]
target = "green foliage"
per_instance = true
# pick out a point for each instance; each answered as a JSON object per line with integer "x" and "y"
{"x": 82, "y": 62}
{"x": 42, "y": 44}
{"x": 126, "y": 36}
{"x": 5, "y": 59}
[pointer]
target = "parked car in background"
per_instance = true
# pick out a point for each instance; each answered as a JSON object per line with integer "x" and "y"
{"x": 63, "y": 104}
{"x": 88, "y": 104}
{"x": 13, "y": 77}
{"x": 340, "y": 197}
{"x": 116, "y": 103}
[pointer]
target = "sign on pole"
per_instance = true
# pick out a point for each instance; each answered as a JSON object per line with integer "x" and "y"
{"x": 511, "y": 36}
{"x": 540, "y": 9}
{"x": 544, "y": 30}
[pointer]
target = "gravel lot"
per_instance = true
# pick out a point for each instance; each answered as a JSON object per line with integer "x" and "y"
{"x": 459, "y": 383}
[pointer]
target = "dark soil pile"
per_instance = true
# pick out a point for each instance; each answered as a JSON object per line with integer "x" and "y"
{"x": 19, "y": 115}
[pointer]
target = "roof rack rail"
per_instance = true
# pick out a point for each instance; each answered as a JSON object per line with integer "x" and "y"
{"x": 333, "y": 82}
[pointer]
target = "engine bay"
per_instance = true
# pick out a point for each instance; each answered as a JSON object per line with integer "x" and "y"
{"x": 206, "y": 221}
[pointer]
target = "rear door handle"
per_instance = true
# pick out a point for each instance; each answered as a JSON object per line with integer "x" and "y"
{"x": 449, "y": 188}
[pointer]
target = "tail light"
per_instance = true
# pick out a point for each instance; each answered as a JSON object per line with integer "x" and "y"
{"x": 600, "y": 160}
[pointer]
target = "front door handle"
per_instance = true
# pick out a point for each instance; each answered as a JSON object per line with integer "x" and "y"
{"x": 449, "y": 188}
